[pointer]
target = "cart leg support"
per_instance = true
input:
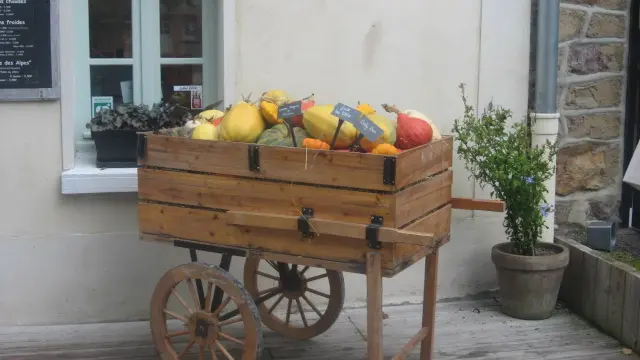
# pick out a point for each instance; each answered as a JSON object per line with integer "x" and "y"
{"x": 374, "y": 306}
{"x": 429, "y": 304}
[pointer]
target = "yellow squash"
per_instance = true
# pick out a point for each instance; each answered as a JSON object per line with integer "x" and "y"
{"x": 242, "y": 123}
{"x": 321, "y": 125}
{"x": 205, "y": 131}
{"x": 388, "y": 135}
{"x": 365, "y": 109}
{"x": 269, "y": 104}
{"x": 209, "y": 115}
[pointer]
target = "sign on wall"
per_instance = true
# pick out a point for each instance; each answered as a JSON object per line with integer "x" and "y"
{"x": 28, "y": 50}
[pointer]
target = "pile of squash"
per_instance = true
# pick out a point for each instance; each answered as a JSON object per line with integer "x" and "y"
{"x": 258, "y": 122}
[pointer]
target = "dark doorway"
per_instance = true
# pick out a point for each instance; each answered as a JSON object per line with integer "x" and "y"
{"x": 631, "y": 196}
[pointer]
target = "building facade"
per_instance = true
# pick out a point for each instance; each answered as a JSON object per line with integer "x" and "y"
{"x": 68, "y": 230}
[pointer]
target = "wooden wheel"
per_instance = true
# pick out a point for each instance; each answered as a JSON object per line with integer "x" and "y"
{"x": 188, "y": 317}
{"x": 294, "y": 287}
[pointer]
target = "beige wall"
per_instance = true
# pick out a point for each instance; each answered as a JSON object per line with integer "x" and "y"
{"x": 68, "y": 259}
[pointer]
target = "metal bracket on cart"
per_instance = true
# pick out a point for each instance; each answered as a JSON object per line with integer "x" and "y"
{"x": 389, "y": 170}
{"x": 254, "y": 157}
{"x": 372, "y": 232}
{"x": 303, "y": 223}
{"x": 141, "y": 146}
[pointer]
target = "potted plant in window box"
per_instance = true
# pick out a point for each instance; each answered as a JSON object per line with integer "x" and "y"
{"x": 529, "y": 272}
{"x": 114, "y": 131}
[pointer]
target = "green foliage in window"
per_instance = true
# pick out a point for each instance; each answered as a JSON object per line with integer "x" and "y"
{"x": 140, "y": 117}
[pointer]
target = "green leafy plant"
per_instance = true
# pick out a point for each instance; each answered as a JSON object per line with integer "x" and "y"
{"x": 503, "y": 158}
{"x": 140, "y": 117}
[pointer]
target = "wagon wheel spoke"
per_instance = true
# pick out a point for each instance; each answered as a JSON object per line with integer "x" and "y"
{"x": 268, "y": 276}
{"x": 202, "y": 325}
{"x": 224, "y": 350}
{"x": 192, "y": 291}
{"x": 275, "y": 304}
{"x": 212, "y": 348}
{"x": 319, "y": 293}
{"x": 312, "y": 305}
{"x": 304, "y": 319}
{"x": 201, "y": 352}
{"x": 296, "y": 283}
{"x": 178, "y": 333}
{"x": 231, "y": 338}
{"x": 181, "y": 300}
{"x": 288, "y": 312}
{"x": 318, "y": 277}
{"x": 186, "y": 350}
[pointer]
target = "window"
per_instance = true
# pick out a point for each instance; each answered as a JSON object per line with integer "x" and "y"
{"x": 138, "y": 51}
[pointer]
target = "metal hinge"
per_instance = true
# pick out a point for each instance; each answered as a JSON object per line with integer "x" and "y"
{"x": 254, "y": 157}
{"x": 389, "y": 170}
{"x": 372, "y": 232}
{"x": 141, "y": 146}
{"x": 303, "y": 223}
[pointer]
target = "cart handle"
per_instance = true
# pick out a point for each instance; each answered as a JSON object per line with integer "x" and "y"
{"x": 475, "y": 204}
{"x": 327, "y": 227}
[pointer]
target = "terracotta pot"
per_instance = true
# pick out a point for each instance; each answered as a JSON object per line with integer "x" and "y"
{"x": 529, "y": 285}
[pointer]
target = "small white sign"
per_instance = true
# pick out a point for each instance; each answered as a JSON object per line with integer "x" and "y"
{"x": 196, "y": 94}
{"x": 187, "y": 88}
{"x": 99, "y": 103}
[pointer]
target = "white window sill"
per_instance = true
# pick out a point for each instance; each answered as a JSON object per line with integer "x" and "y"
{"x": 86, "y": 178}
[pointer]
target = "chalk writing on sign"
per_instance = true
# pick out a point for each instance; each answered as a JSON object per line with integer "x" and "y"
{"x": 25, "y": 44}
{"x": 367, "y": 128}
{"x": 287, "y": 111}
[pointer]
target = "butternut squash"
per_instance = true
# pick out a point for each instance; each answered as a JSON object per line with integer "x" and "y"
{"x": 321, "y": 125}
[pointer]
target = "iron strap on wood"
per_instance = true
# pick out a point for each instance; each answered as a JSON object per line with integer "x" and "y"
{"x": 389, "y": 170}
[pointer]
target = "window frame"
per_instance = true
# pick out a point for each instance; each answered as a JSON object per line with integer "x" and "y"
{"x": 80, "y": 176}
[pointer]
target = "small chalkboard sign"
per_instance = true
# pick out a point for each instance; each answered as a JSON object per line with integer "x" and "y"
{"x": 287, "y": 111}
{"x": 29, "y": 50}
{"x": 367, "y": 128}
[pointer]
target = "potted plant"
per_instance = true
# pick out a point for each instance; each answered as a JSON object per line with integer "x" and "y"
{"x": 114, "y": 131}
{"x": 529, "y": 272}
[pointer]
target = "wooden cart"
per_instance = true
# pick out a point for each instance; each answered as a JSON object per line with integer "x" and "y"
{"x": 292, "y": 209}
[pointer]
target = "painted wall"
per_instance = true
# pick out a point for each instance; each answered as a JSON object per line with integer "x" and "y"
{"x": 70, "y": 259}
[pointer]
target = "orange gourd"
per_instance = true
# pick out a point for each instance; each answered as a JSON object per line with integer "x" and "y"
{"x": 316, "y": 144}
{"x": 385, "y": 149}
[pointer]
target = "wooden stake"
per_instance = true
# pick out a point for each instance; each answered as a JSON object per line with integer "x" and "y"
{"x": 374, "y": 306}
{"x": 429, "y": 304}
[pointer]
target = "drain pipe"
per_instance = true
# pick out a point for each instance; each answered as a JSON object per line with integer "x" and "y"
{"x": 545, "y": 119}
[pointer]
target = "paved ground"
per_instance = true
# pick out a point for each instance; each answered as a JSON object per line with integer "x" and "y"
{"x": 465, "y": 330}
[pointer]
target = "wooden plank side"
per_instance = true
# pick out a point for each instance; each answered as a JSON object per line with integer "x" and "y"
{"x": 478, "y": 204}
{"x": 601, "y": 292}
{"x": 355, "y": 170}
{"x": 631, "y": 312}
{"x": 588, "y": 280}
{"x": 211, "y": 227}
{"x": 437, "y": 223}
{"x": 236, "y": 193}
{"x": 572, "y": 280}
{"x": 616, "y": 301}
{"x": 419, "y": 199}
{"x": 326, "y": 227}
{"x": 419, "y": 163}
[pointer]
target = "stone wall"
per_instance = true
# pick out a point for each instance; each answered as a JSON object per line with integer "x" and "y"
{"x": 591, "y": 92}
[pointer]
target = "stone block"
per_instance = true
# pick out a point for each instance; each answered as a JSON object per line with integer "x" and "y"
{"x": 606, "y": 25}
{"x": 605, "y": 4}
{"x": 606, "y": 208}
{"x": 602, "y": 126}
{"x": 593, "y": 58}
{"x": 562, "y": 56}
{"x": 587, "y": 167}
{"x": 571, "y": 24}
{"x": 596, "y": 94}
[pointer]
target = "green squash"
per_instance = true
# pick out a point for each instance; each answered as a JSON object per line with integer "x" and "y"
{"x": 278, "y": 135}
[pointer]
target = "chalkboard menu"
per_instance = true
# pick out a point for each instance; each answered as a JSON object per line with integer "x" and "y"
{"x": 25, "y": 46}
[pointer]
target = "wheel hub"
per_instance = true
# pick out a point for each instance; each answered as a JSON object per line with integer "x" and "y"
{"x": 203, "y": 328}
{"x": 293, "y": 284}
